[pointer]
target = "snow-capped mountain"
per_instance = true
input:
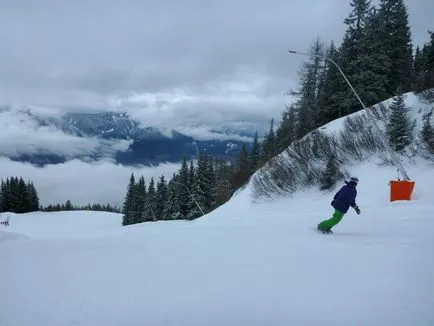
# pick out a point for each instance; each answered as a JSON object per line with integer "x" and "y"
{"x": 106, "y": 125}
{"x": 41, "y": 137}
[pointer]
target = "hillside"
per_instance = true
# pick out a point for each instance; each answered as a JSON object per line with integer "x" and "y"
{"x": 347, "y": 141}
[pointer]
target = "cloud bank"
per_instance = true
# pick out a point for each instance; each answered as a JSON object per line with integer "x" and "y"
{"x": 22, "y": 133}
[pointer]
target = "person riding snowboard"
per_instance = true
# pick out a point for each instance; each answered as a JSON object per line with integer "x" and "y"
{"x": 342, "y": 201}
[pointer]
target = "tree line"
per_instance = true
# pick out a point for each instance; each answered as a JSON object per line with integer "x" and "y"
{"x": 194, "y": 190}
{"x": 197, "y": 188}
{"x": 68, "y": 206}
{"x": 17, "y": 196}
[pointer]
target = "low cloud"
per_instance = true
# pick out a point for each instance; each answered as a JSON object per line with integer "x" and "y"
{"x": 23, "y": 133}
{"x": 81, "y": 182}
{"x": 217, "y": 106}
{"x": 204, "y": 133}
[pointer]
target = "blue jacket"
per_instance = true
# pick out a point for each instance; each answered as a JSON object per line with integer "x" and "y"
{"x": 345, "y": 198}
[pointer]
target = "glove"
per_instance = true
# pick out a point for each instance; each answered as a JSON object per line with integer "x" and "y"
{"x": 357, "y": 209}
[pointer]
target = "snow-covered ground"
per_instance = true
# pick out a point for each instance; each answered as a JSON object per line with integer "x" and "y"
{"x": 243, "y": 264}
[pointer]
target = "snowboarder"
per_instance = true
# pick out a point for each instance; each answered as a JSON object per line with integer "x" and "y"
{"x": 342, "y": 201}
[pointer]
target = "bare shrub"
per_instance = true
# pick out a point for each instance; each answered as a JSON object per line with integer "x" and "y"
{"x": 349, "y": 145}
{"x": 359, "y": 137}
{"x": 330, "y": 175}
{"x": 427, "y": 96}
{"x": 325, "y": 146}
{"x": 380, "y": 112}
{"x": 301, "y": 165}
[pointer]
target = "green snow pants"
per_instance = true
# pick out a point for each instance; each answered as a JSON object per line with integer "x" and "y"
{"x": 326, "y": 225}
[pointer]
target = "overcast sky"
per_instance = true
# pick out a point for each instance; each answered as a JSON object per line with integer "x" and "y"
{"x": 170, "y": 62}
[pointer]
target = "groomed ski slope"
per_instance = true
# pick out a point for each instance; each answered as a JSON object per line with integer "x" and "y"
{"x": 243, "y": 264}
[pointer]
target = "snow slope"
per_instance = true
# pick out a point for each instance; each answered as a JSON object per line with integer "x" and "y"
{"x": 244, "y": 264}
{"x": 350, "y": 139}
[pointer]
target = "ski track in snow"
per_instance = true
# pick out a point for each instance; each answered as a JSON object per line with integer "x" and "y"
{"x": 243, "y": 264}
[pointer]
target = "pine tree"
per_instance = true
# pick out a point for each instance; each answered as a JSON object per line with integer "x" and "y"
{"x": 242, "y": 168}
{"x": 395, "y": 37}
{"x": 191, "y": 176}
{"x": 312, "y": 86}
{"x": 223, "y": 173}
{"x": 356, "y": 21}
{"x": 182, "y": 190}
{"x": 255, "y": 154}
{"x": 243, "y": 163}
{"x": 161, "y": 198}
{"x": 33, "y": 197}
{"x": 14, "y": 195}
{"x": 304, "y": 121}
{"x": 4, "y": 196}
{"x": 129, "y": 205}
{"x": 172, "y": 209}
{"x": 269, "y": 145}
{"x": 152, "y": 200}
{"x": 321, "y": 87}
{"x": 426, "y": 81}
{"x": 399, "y": 128}
{"x": 352, "y": 53}
{"x": 427, "y": 133}
{"x": 375, "y": 77}
{"x": 285, "y": 134}
{"x": 200, "y": 188}
{"x": 141, "y": 199}
{"x": 190, "y": 185}
{"x": 211, "y": 192}
{"x": 1, "y": 197}
{"x": 429, "y": 68}
{"x": 330, "y": 104}
{"x": 369, "y": 65}
{"x": 331, "y": 174}
{"x": 317, "y": 80}
{"x": 68, "y": 206}
{"x": 24, "y": 204}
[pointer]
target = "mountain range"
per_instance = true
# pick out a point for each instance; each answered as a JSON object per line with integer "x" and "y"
{"x": 145, "y": 145}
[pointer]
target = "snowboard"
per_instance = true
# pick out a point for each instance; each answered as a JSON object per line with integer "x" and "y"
{"x": 324, "y": 232}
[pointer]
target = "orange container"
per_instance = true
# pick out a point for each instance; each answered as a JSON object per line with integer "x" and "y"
{"x": 401, "y": 190}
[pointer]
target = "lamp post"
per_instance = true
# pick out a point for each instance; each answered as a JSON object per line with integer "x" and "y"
{"x": 395, "y": 158}
{"x": 192, "y": 196}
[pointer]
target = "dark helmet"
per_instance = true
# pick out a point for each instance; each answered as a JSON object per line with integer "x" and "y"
{"x": 353, "y": 180}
